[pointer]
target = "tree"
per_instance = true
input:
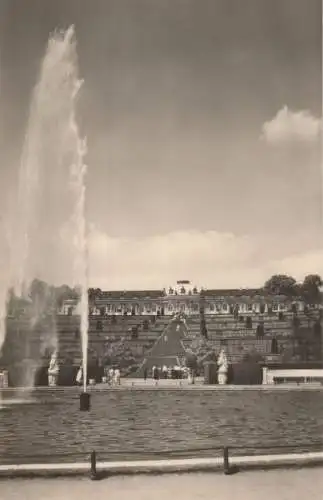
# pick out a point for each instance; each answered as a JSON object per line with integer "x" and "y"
{"x": 64, "y": 292}
{"x": 281, "y": 284}
{"x": 38, "y": 290}
{"x": 209, "y": 355}
{"x": 252, "y": 357}
{"x": 274, "y": 346}
{"x": 191, "y": 361}
{"x": 203, "y": 328}
{"x": 16, "y": 306}
{"x": 311, "y": 288}
{"x": 93, "y": 294}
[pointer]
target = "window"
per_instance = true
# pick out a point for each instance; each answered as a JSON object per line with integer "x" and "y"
{"x": 134, "y": 332}
{"x": 274, "y": 346}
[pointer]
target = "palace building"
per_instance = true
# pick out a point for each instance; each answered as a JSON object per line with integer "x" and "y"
{"x": 184, "y": 298}
{"x": 137, "y": 329}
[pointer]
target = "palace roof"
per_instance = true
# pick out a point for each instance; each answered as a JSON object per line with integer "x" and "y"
{"x": 233, "y": 292}
{"x": 132, "y": 294}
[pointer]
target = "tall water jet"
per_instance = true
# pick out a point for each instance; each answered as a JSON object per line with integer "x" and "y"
{"x": 49, "y": 234}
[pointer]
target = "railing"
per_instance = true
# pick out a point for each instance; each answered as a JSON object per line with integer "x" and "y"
{"x": 226, "y": 457}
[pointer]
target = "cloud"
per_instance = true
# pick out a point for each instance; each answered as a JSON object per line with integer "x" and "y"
{"x": 210, "y": 259}
{"x": 291, "y": 126}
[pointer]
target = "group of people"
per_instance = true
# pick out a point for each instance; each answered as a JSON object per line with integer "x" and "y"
{"x": 112, "y": 376}
{"x": 168, "y": 372}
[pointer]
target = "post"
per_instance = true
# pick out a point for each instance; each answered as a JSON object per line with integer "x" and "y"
{"x": 93, "y": 474}
{"x": 85, "y": 403}
{"x": 226, "y": 466}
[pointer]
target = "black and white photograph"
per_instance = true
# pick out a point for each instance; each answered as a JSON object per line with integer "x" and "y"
{"x": 161, "y": 249}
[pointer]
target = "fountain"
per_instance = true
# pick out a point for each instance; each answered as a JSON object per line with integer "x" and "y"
{"x": 49, "y": 239}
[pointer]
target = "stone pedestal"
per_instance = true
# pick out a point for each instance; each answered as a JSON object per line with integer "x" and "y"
{"x": 52, "y": 379}
{"x": 222, "y": 378}
{"x": 3, "y": 379}
{"x": 53, "y": 371}
{"x": 265, "y": 375}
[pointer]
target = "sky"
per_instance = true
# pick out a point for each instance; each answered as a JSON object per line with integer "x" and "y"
{"x": 202, "y": 120}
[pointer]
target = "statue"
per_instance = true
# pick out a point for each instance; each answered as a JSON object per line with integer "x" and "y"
{"x": 53, "y": 370}
{"x": 223, "y": 368}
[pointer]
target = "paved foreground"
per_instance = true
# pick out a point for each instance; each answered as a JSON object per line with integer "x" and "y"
{"x": 290, "y": 484}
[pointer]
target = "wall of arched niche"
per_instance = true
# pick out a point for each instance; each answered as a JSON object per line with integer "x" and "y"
{"x": 162, "y": 308}
{"x": 189, "y": 305}
{"x": 215, "y": 307}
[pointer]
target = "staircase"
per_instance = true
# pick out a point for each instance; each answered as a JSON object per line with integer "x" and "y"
{"x": 167, "y": 350}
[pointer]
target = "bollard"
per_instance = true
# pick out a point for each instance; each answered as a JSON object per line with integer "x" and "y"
{"x": 226, "y": 466}
{"x": 85, "y": 403}
{"x": 93, "y": 474}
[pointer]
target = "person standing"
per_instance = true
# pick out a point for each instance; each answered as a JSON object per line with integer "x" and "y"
{"x": 111, "y": 376}
{"x": 117, "y": 376}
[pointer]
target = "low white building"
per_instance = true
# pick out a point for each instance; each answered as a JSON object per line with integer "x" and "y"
{"x": 272, "y": 376}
